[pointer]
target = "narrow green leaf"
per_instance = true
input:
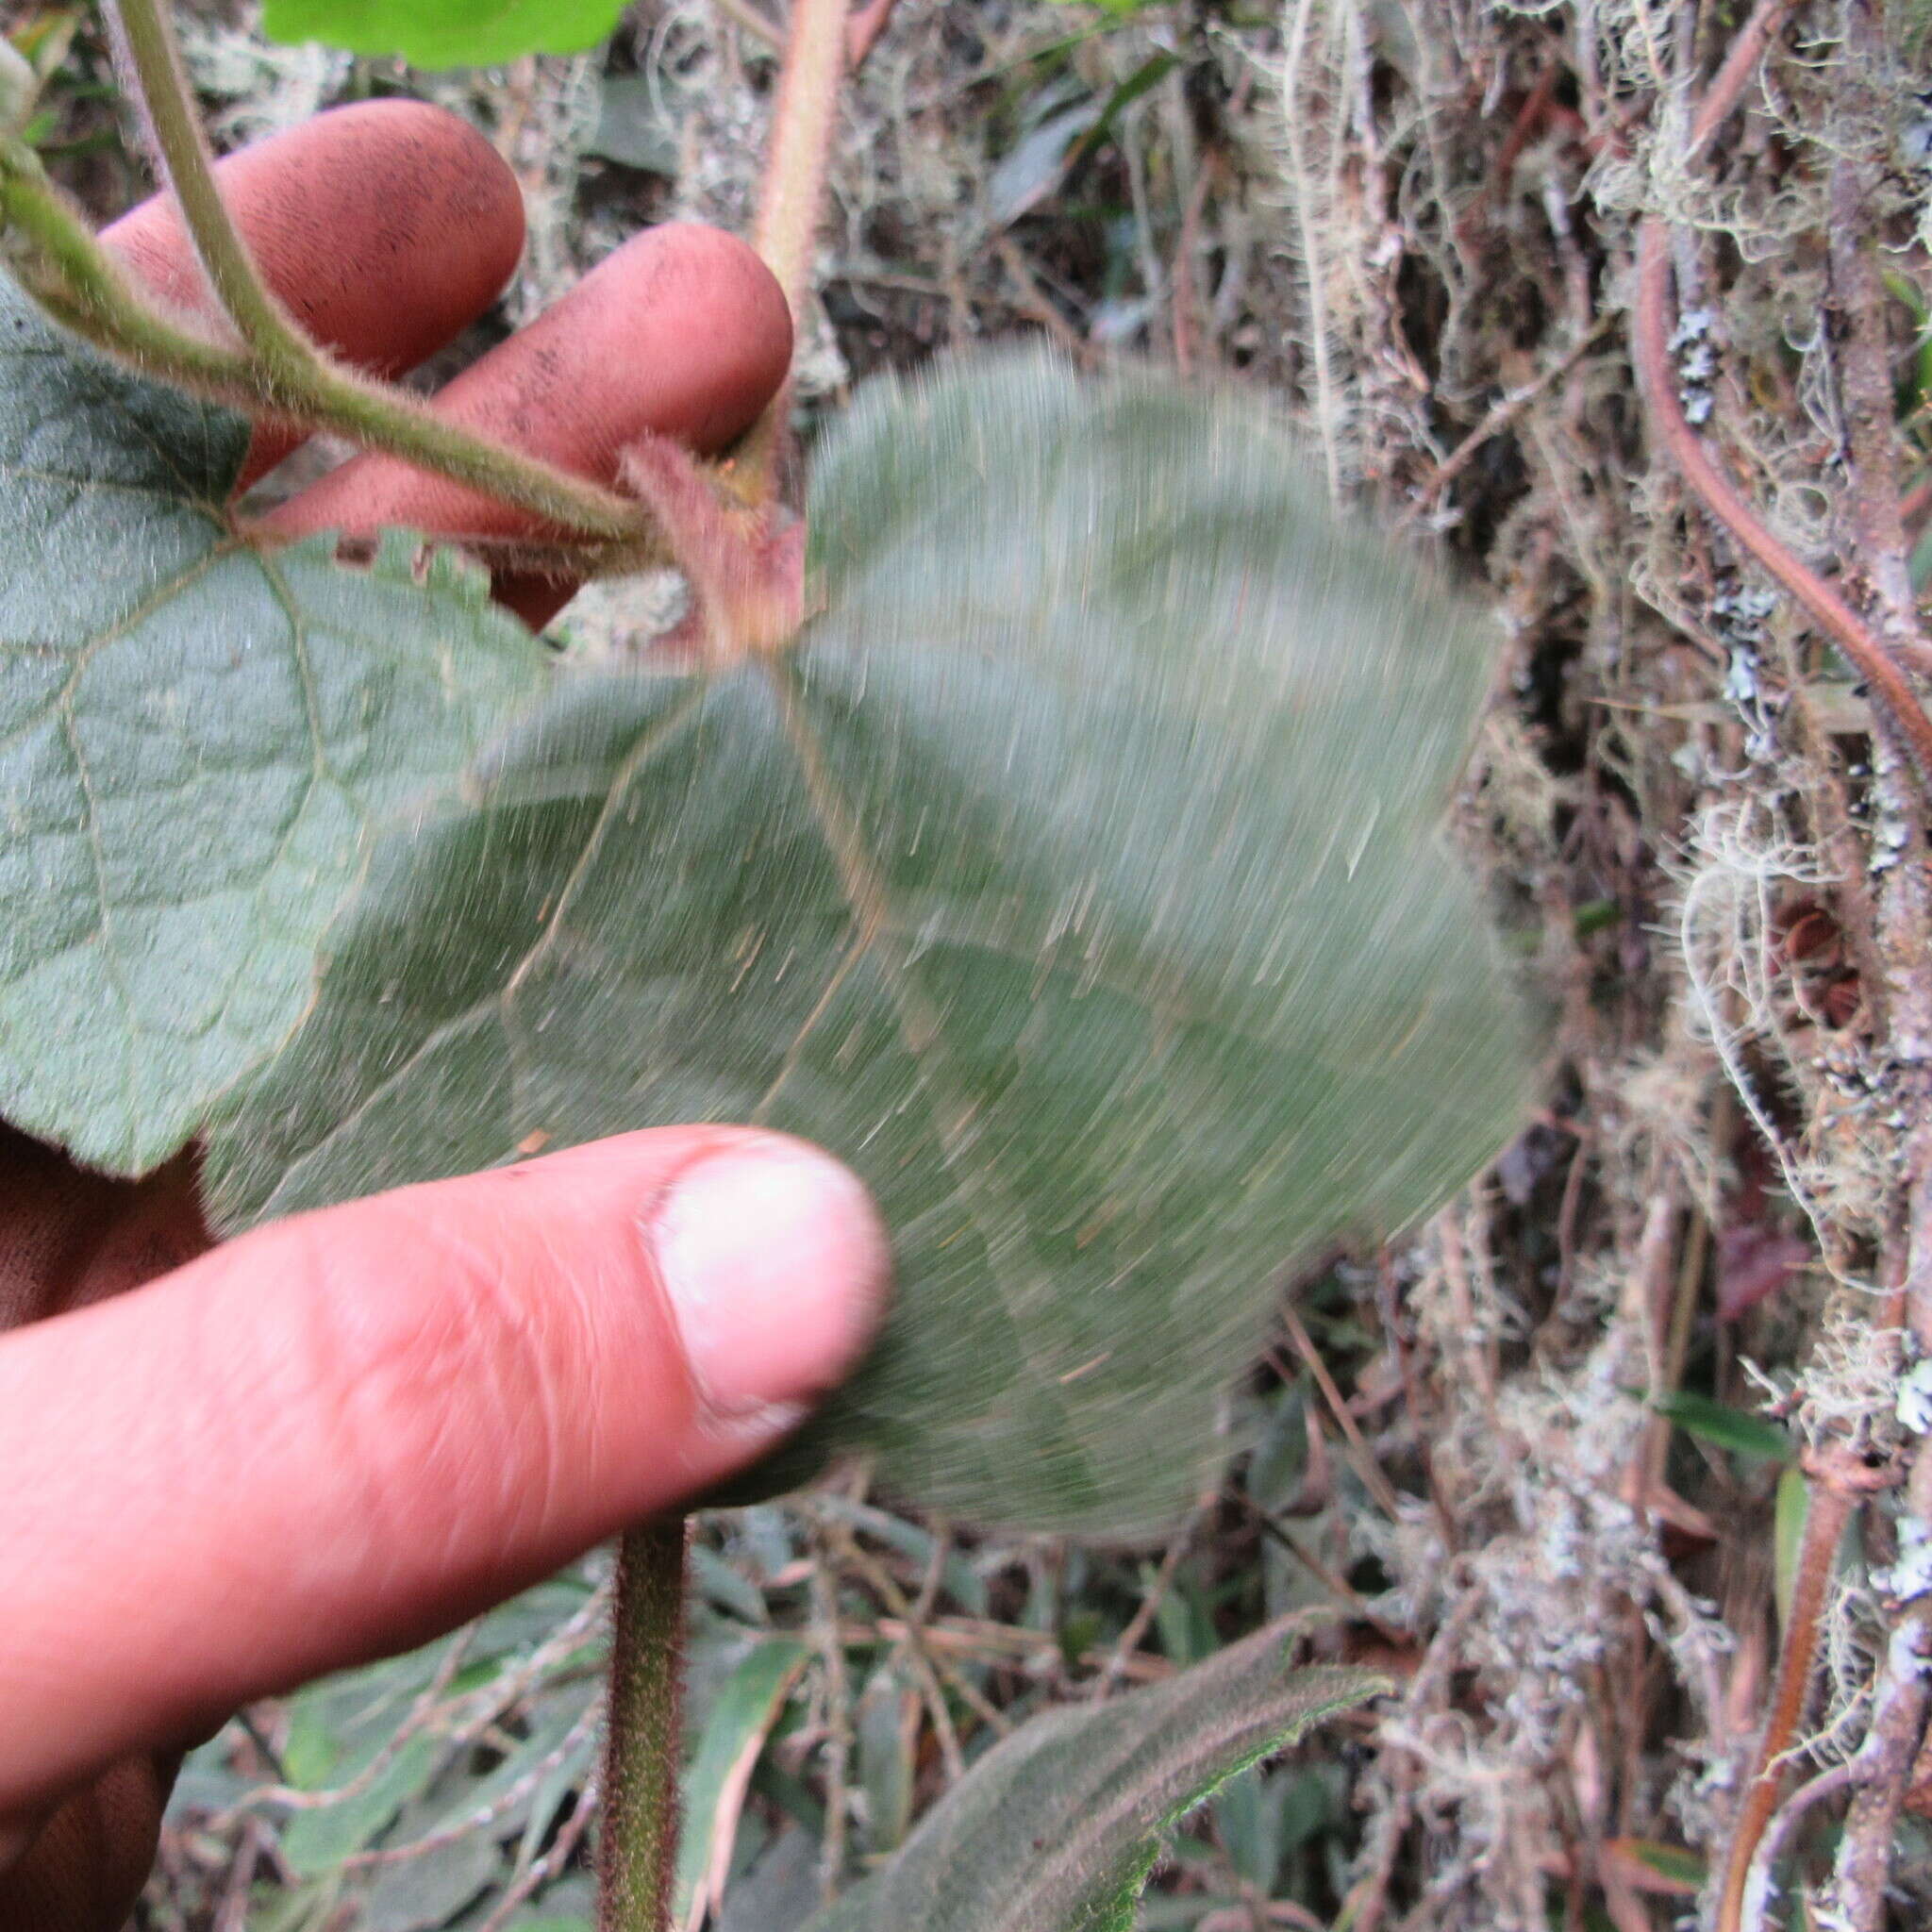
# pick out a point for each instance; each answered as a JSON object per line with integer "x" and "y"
{"x": 1736, "y": 1429}
{"x": 1057, "y": 1827}
{"x": 197, "y": 740}
{"x": 713, "y": 1786}
{"x": 1683, "y": 1870}
{"x": 1793, "y": 1505}
{"x": 886, "y": 1729}
{"x": 1078, "y": 877}
{"x": 446, "y": 33}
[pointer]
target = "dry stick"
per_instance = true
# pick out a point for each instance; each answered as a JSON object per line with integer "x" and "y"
{"x": 1312, "y": 264}
{"x": 1505, "y": 410}
{"x": 1728, "y": 83}
{"x": 761, "y": 26}
{"x": 924, "y": 1667}
{"x": 1360, "y": 1457}
{"x": 1778, "y": 1835}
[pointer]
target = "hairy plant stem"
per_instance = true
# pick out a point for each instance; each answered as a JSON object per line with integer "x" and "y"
{"x": 637, "y": 1848}
{"x": 145, "y": 34}
{"x": 275, "y": 373}
{"x": 638, "y": 1851}
{"x": 792, "y": 203}
{"x": 1828, "y": 1511}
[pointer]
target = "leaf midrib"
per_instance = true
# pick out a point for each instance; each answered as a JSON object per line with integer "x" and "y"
{"x": 869, "y": 902}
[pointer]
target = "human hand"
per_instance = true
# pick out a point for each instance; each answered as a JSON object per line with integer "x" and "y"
{"x": 336, "y": 1436}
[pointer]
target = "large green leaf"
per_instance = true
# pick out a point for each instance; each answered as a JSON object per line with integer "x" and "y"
{"x": 196, "y": 741}
{"x": 446, "y": 33}
{"x": 1057, "y": 1827}
{"x": 1076, "y": 877}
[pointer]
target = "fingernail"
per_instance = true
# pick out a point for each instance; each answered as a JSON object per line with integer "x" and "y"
{"x": 776, "y": 1266}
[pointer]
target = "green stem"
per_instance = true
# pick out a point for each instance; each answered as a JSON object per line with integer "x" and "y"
{"x": 68, "y": 272}
{"x": 637, "y": 1852}
{"x": 147, "y": 37}
{"x": 278, "y": 374}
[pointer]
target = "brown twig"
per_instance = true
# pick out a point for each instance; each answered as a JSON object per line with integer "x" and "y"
{"x": 1506, "y": 409}
{"x": 866, "y": 25}
{"x": 1728, "y": 83}
{"x": 1359, "y": 1455}
{"x": 1650, "y": 348}
{"x": 1778, "y": 1835}
{"x": 1834, "y": 1492}
{"x": 1902, "y": 1697}
{"x": 1184, "y": 303}
{"x": 760, "y": 25}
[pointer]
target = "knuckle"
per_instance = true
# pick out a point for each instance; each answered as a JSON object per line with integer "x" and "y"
{"x": 432, "y": 1381}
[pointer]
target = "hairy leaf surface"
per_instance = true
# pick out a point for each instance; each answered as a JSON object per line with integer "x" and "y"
{"x": 196, "y": 740}
{"x": 446, "y": 33}
{"x": 1057, "y": 1827}
{"x": 1076, "y": 877}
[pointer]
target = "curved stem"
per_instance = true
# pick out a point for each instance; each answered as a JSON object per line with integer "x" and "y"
{"x": 71, "y": 275}
{"x": 1829, "y": 1510}
{"x": 146, "y": 33}
{"x": 1891, "y": 691}
{"x": 637, "y": 1850}
{"x": 277, "y": 373}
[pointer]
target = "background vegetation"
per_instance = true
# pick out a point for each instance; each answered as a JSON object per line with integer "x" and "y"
{"x": 1610, "y": 1465}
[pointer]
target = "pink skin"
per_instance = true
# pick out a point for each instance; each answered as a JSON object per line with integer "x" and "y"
{"x": 228, "y": 1470}
{"x": 346, "y": 1432}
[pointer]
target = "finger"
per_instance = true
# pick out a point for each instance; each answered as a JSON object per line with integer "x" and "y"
{"x": 682, "y": 331}
{"x": 387, "y": 228}
{"x": 341, "y": 1434}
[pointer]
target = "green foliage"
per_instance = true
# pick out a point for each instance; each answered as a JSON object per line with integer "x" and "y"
{"x": 1736, "y": 1429}
{"x": 713, "y": 1786}
{"x": 1076, "y": 877}
{"x": 1057, "y": 1827}
{"x": 197, "y": 738}
{"x": 446, "y": 33}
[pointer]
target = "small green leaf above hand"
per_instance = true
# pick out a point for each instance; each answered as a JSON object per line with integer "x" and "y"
{"x": 1057, "y": 1827}
{"x": 446, "y": 33}
{"x": 197, "y": 740}
{"x": 1076, "y": 876}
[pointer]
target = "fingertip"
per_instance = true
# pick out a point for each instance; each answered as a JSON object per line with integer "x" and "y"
{"x": 729, "y": 298}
